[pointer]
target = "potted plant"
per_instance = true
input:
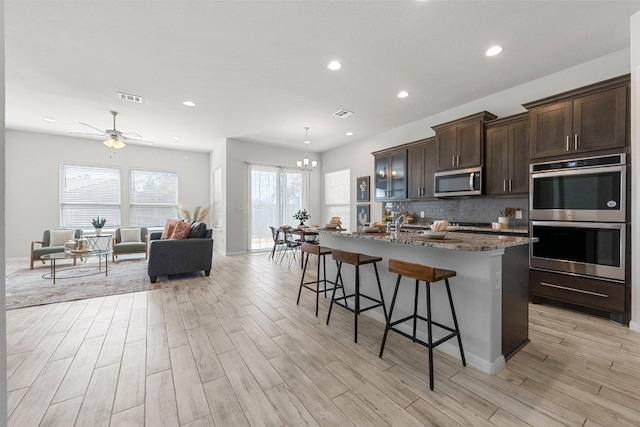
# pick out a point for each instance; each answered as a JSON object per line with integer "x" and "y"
{"x": 98, "y": 223}
{"x": 302, "y": 216}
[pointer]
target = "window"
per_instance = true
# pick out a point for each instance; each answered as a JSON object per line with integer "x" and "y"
{"x": 337, "y": 191}
{"x": 87, "y": 192}
{"x": 276, "y": 194}
{"x": 153, "y": 196}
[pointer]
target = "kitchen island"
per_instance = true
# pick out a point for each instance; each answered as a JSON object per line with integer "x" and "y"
{"x": 490, "y": 291}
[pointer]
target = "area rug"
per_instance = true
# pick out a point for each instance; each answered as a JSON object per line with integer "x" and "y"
{"x": 25, "y": 287}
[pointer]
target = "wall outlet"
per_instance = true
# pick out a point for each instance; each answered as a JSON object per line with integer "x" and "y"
{"x": 421, "y": 214}
{"x": 518, "y": 213}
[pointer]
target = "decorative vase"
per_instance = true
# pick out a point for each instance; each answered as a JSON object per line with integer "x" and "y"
{"x": 301, "y": 224}
{"x": 98, "y": 231}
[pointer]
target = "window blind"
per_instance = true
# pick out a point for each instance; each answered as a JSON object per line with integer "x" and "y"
{"x": 153, "y": 197}
{"x": 87, "y": 192}
{"x": 337, "y": 193}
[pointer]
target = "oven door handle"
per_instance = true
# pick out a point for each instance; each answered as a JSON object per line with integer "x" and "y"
{"x": 471, "y": 174}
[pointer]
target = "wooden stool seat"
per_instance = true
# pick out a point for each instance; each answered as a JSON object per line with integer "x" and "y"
{"x": 428, "y": 275}
{"x": 356, "y": 260}
{"x": 419, "y": 272}
{"x": 321, "y": 252}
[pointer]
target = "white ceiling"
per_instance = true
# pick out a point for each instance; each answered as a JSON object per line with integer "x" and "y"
{"x": 257, "y": 70}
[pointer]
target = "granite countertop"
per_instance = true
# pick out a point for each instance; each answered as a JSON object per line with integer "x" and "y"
{"x": 454, "y": 241}
{"x": 458, "y": 228}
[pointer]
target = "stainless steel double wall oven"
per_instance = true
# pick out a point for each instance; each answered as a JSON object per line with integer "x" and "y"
{"x": 578, "y": 212}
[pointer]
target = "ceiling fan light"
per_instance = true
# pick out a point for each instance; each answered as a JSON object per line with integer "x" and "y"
{"x": 119, "y": 144}
{"x": 109, "y": 142}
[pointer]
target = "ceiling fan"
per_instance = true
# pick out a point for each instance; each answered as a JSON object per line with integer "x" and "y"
{"x": 116, "y": 139}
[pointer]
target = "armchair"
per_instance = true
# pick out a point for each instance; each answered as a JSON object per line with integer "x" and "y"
{"x": 122, "y": 246}
{"x": 46, "y": 246}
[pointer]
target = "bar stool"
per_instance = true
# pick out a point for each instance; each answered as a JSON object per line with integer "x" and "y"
{"x": 321, "y": 252}
{"x": 428, "y": 275}
{"x": 357, "y": 260}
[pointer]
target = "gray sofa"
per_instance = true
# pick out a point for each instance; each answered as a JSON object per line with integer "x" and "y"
{"x": 179, "y": 256}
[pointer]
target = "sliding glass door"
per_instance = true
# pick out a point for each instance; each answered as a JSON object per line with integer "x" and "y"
{"x": 275, "y": 195}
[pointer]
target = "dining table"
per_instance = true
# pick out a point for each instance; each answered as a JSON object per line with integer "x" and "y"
{"x": 310, "y": 235}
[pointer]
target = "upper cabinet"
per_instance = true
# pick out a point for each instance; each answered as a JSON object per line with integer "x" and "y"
{"x": 390, "y": 177}
{"x": 587, "y": 119}
{"x": 459, "y": 144}
{"x": 421, "y": 166}
{"x": 506, "y": 159}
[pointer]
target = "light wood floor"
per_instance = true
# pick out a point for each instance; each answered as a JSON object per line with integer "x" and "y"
{"x": 234, "y": 349}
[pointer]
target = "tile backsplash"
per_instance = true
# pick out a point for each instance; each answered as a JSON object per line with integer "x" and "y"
{"x": 470, "y": 209}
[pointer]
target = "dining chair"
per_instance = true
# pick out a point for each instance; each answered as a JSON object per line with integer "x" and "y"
{"x": 291, "y": 246}
{"x": 278, "y": 243}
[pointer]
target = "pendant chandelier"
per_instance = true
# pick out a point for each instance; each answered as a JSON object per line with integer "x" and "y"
{"x": 305, "y": 163}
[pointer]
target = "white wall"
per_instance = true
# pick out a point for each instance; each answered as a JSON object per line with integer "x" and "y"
{"x": 3, "y": 322}
{"x": 635, "y": 170}
{"x": 237, "y": 197}
{"x": 219, "y": 160}
{"x": 32, "y": 167}
{"x": 357, "y": 155}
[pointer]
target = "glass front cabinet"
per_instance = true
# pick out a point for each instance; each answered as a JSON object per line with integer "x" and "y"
{"x": 390, "y": 175}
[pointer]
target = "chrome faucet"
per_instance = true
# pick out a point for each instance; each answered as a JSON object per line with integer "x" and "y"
{"x": 399, "y": 221}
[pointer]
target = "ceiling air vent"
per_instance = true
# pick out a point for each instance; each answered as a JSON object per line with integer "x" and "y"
{"x": 129, "y": 97}
{"x": 343, "y": 114}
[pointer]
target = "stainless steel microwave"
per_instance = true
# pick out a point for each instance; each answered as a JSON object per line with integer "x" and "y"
{"x": 460, "y": 182}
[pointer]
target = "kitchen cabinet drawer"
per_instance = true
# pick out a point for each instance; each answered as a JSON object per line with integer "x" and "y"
{"x": 583, "y": 291}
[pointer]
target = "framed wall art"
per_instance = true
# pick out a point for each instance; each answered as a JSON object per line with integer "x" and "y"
{"x": 362, "y": 188}
{"x": 363, "y": 214}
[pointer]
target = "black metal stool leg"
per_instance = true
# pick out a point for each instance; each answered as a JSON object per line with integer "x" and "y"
{"x": 304, "y": 270}
{"x": 335, "y": 286}
{"x": 415, "y": 311}
{"x": 357, "y": 311}
{"x": 324, "y": 269}
{"x": 430, "y": 337}
{"x": 455, "y": 322}
{"x": 318, "y": 282}
{"x": 384, "y": 308}
{"x": 388, "y": 326}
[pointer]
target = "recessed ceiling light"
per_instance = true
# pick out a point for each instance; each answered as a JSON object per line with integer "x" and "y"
{"x": 307, "y": 142}
{"x": 49, "y": 119}
{"x": 334, "y": 65}
{"x": 176, "y": 138}
{"x": 493, "y": 50}
{"x": 349, "y": 133}
{"x": 403, "y": 94}
{"x": 189, "y": 103}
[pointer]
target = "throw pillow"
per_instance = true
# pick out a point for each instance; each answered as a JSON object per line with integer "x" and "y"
{"x": 181, "y": 230}
{"x": 169, "y": 227}
{"x": 198, "y": 230}
{"x": 129, "y": 235}
{"x": 60, "y": 237}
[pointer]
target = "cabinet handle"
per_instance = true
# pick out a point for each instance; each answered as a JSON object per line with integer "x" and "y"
{"x": 575, "y": 141}
{"x": 510, "y": 185}
{"x": 453, "y": 160}
{"x": 458, "y": 160}
{"x": 567, "y": 142}
{"x": 504, "y": 185}
{"x": 581, "y": 291}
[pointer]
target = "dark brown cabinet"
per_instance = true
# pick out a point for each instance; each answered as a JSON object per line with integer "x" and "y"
{"x": 587, "y": 119}
{"x": 459, "y": 144}
{"x": 506, "y": 159}
{"x": 421, "y": 166}
{"x": 390, "y": 178}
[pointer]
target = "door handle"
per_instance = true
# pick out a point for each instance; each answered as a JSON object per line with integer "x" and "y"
{"x": 575, "y": 141}
{"x": 471, "y": 181}
{"x": 567, "y": 142}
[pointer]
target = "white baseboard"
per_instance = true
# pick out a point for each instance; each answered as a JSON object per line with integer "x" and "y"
{"x": 634, "y": 326}
{"x": 236, "y": 253}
